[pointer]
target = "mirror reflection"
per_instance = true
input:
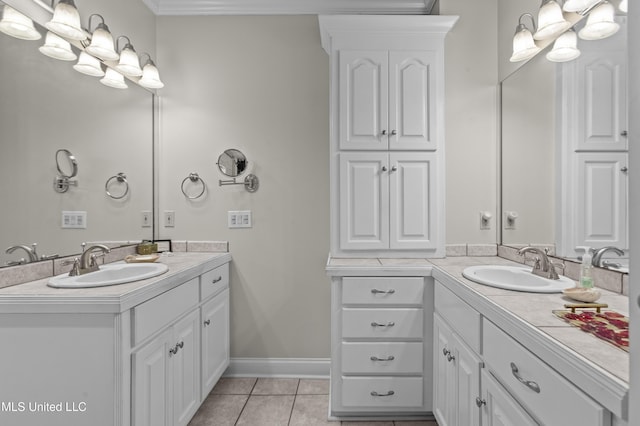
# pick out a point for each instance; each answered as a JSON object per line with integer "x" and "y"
{"x": 232, "y": 163}
{"x": 45, "y": 107}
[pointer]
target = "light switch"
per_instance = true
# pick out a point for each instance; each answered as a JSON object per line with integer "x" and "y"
{"x": 239, "y": 219}
{"x": 74, "y": 219}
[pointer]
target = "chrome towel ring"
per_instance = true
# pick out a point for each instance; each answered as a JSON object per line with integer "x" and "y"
{"x": 121, "y": 178}
{"x": 193, "y": 177}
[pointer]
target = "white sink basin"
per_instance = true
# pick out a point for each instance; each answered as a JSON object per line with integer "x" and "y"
{"x": 111, "y": 274}
{"x": 515, "y": 278}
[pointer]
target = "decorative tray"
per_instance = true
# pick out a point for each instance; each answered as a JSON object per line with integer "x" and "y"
{"x": 142, "y": 258}
{"x": 607, "y": 325}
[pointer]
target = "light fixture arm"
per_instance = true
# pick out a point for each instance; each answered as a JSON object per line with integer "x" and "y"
{"x": 522, "y": 26}
{"x": 128, "y": 45}
{"x": 148, "y": 61}
{"x": 101, "y": 23}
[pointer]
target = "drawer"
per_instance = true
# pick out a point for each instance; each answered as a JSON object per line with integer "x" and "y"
{"x": 400, "y": 323}
{"x": 213, "y": 281}
{"x": 154, "y": 314}
{"x": 459, "y": 315}
{"x": 382, "y": 290}
{"x": 382, "y": 392}
{"x": 556, "y": 401}
{"x": 382, "y": 358}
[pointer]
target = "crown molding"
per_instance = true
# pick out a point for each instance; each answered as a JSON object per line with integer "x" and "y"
{"x": 289, "y": 7}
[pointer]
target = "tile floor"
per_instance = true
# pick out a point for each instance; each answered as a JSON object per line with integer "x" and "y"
{"x": 274, "y": 402}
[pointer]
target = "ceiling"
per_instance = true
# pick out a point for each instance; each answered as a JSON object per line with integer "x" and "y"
{"x": 289, "y": 7}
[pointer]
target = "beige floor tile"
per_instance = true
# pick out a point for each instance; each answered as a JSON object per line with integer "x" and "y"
{"x": 313, "y": 387}
{"x": 219, "y": 410}
{"x": 276, "y": 387}
{"x": 267, "y": 410}
{"x": 311, "y": 410}
{"x": 234, "y": 386}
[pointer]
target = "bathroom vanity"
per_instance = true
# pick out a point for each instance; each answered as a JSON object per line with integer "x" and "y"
{"x": 140, "y": 353}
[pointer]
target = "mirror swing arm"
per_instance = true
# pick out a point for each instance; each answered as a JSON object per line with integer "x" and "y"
{"x": 251, "y": 182}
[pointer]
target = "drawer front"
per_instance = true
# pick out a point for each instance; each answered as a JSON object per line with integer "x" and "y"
{"x": 382, "y": 290}
{"x": 213, "y": 281}
{"x": 382, "y": 392}
{"x": 401, "y": 323}
{"x": 158, "y": 312}
{"x": 539, "y": 388}
{"x": 462, "y": 317}
{"x": 382, "y": 358}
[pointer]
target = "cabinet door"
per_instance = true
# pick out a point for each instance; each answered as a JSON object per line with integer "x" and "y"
{"x": 363, "y": 110}
{"x": 499, "y": 408}
{"x": 215, "y": 340}
{"x": 444, "y": 393}
{"x": 602, "y": 199}
{"x": 186, "y": 369}
{"x": 152, "y": 382}
{"x": 364, "y": 201}
{"x": 412, "y": 201}
{"x": 412, "y": 109}
{"x": 468, "y": 367}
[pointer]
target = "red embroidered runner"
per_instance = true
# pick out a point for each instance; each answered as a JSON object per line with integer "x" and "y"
{"x": 607, "y": 325}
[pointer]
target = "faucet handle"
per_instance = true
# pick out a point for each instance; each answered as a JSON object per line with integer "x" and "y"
{"x": 75, "y": 270}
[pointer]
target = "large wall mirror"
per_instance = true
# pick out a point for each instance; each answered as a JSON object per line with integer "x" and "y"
{"x": 564, "y": 150}
{"x": 46, "y": 106}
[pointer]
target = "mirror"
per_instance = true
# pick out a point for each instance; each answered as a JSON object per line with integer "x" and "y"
{"x": 563, "y": 156}
{"x": 232, "y": 163}
{"x": 48, "y": 113}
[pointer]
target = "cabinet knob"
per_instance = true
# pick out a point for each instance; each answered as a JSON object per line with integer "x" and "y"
{"x": 384, "y": 132}
{"x": 384, "y": 168}
{"x": 450, "y": 357}
{"x": 624, "y": 169}
{"x": 207, "y": 322}
{"x": 480, "y": 402}
{"x": 393, "y": 132}
{"x": 624, "y": 133}
{"x": 446, "y": 352}
{"x": 394, "y": 169}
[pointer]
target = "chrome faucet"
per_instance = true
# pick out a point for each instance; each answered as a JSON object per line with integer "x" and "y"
{"x": 542, "y": 265}
{"x": 31, "y": 252}
{"x": 597, "y": 254}
{"x": 88, "y": 259}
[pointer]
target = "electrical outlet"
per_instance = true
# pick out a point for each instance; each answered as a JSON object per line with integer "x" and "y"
{"x": 239, "y": 219}
{"x": 169, "y": 219}
{"x": 146, "y": 219}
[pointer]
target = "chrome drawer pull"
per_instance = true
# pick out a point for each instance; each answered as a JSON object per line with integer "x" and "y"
{"x": 528, "y": 383}
{"x": 216, "y": 280}
{"x": 374, "y": 393}
{"x": 389, "y": 358}
{"x": 480, "y": 402}
{"x": 377, "y": 324}
{"x": 376, "y": 291}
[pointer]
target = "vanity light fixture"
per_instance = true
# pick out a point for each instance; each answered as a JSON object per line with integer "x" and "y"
{"x": 89, "y": 65}
{"x": 565, "y": 48}
{"x": 17, "y": 25}
{"x": 579, "y": 6}
{"x": 101, "y": 45}
{"x": 66, "y": 21}
{"x": 551, "y": 22}
{"x": 113, "y": 78}
{"x": 129, "y": 63}
{"x": 150, "y": 75}
{"x": 524, "y": 47}
{"x": 57, "y": 48}
{"x": 600, "y": 23}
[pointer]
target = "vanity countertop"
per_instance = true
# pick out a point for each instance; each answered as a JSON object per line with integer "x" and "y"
{"x": 38, "y": 297}
{"x": 594, "y": 365}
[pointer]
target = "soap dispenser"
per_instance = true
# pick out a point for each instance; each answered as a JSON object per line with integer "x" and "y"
{"x": 586, "y": 280}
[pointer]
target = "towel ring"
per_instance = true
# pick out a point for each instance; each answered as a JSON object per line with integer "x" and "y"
{"x": 193, "y": 177}
{"x": 122, "y": 178}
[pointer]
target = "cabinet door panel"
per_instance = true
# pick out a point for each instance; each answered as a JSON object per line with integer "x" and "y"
{"x": 412, "y": 108}
{"x": 443, "y": 374}
{"x": 363, "y": 99}
{"x": 468, "y": 367}
{"x": 215, "y": 340}
{"x": 186, "y": 369}
{"x": 364, "y": 192}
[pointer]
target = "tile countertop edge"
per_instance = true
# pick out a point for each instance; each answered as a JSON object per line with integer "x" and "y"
{"x": 107, "y": 304}
{"x": 607, "y": 389}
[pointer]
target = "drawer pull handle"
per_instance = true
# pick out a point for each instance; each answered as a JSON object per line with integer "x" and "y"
{"x": 377, "y": 324}
{"x": 528, "y": 383}
{"x": 389, "y": 358}
{"x": 216, "y": 280}
{"x": 389, "y": 393}
{"x": 376, "y": 291}
{"x": 480, "y": 402}
{"x": 207, "y": 322}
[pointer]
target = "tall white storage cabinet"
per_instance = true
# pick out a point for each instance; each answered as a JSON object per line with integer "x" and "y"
{"x": 387, "y": 136}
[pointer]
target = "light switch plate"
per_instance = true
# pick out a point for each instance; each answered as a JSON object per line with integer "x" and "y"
{"x": 239, "y": 219}
{"x": 74, "y": 219}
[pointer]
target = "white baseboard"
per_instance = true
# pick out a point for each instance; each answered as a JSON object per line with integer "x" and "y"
{"x": 279, "y": 367}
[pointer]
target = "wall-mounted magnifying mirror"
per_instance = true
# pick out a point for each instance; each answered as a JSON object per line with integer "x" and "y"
{"x": 67, "y": 166}
{"x": 232, "y": 163}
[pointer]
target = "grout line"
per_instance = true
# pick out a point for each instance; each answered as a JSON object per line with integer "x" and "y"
{"x": 246, "y": 402}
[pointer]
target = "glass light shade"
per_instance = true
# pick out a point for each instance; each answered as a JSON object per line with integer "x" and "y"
{"x": 89, "y": 65}
{"x": 57, "y": 48}
{"x": 523, "y": 45}
{"x": 551, "y": 22}
{"x": 66, "y": 21}
{"x": 578, "y": 5}
{"x": 129, "y": 63}
{"x": 102, "y": 44}
{"x": 600, "y": 23}
{"x": 150, "y": 77}
{"x": 114, "y": 79}
{"x": 17, "y": 25}
{"x": 565, "y": 48}
{"x": 623, "y": 6}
